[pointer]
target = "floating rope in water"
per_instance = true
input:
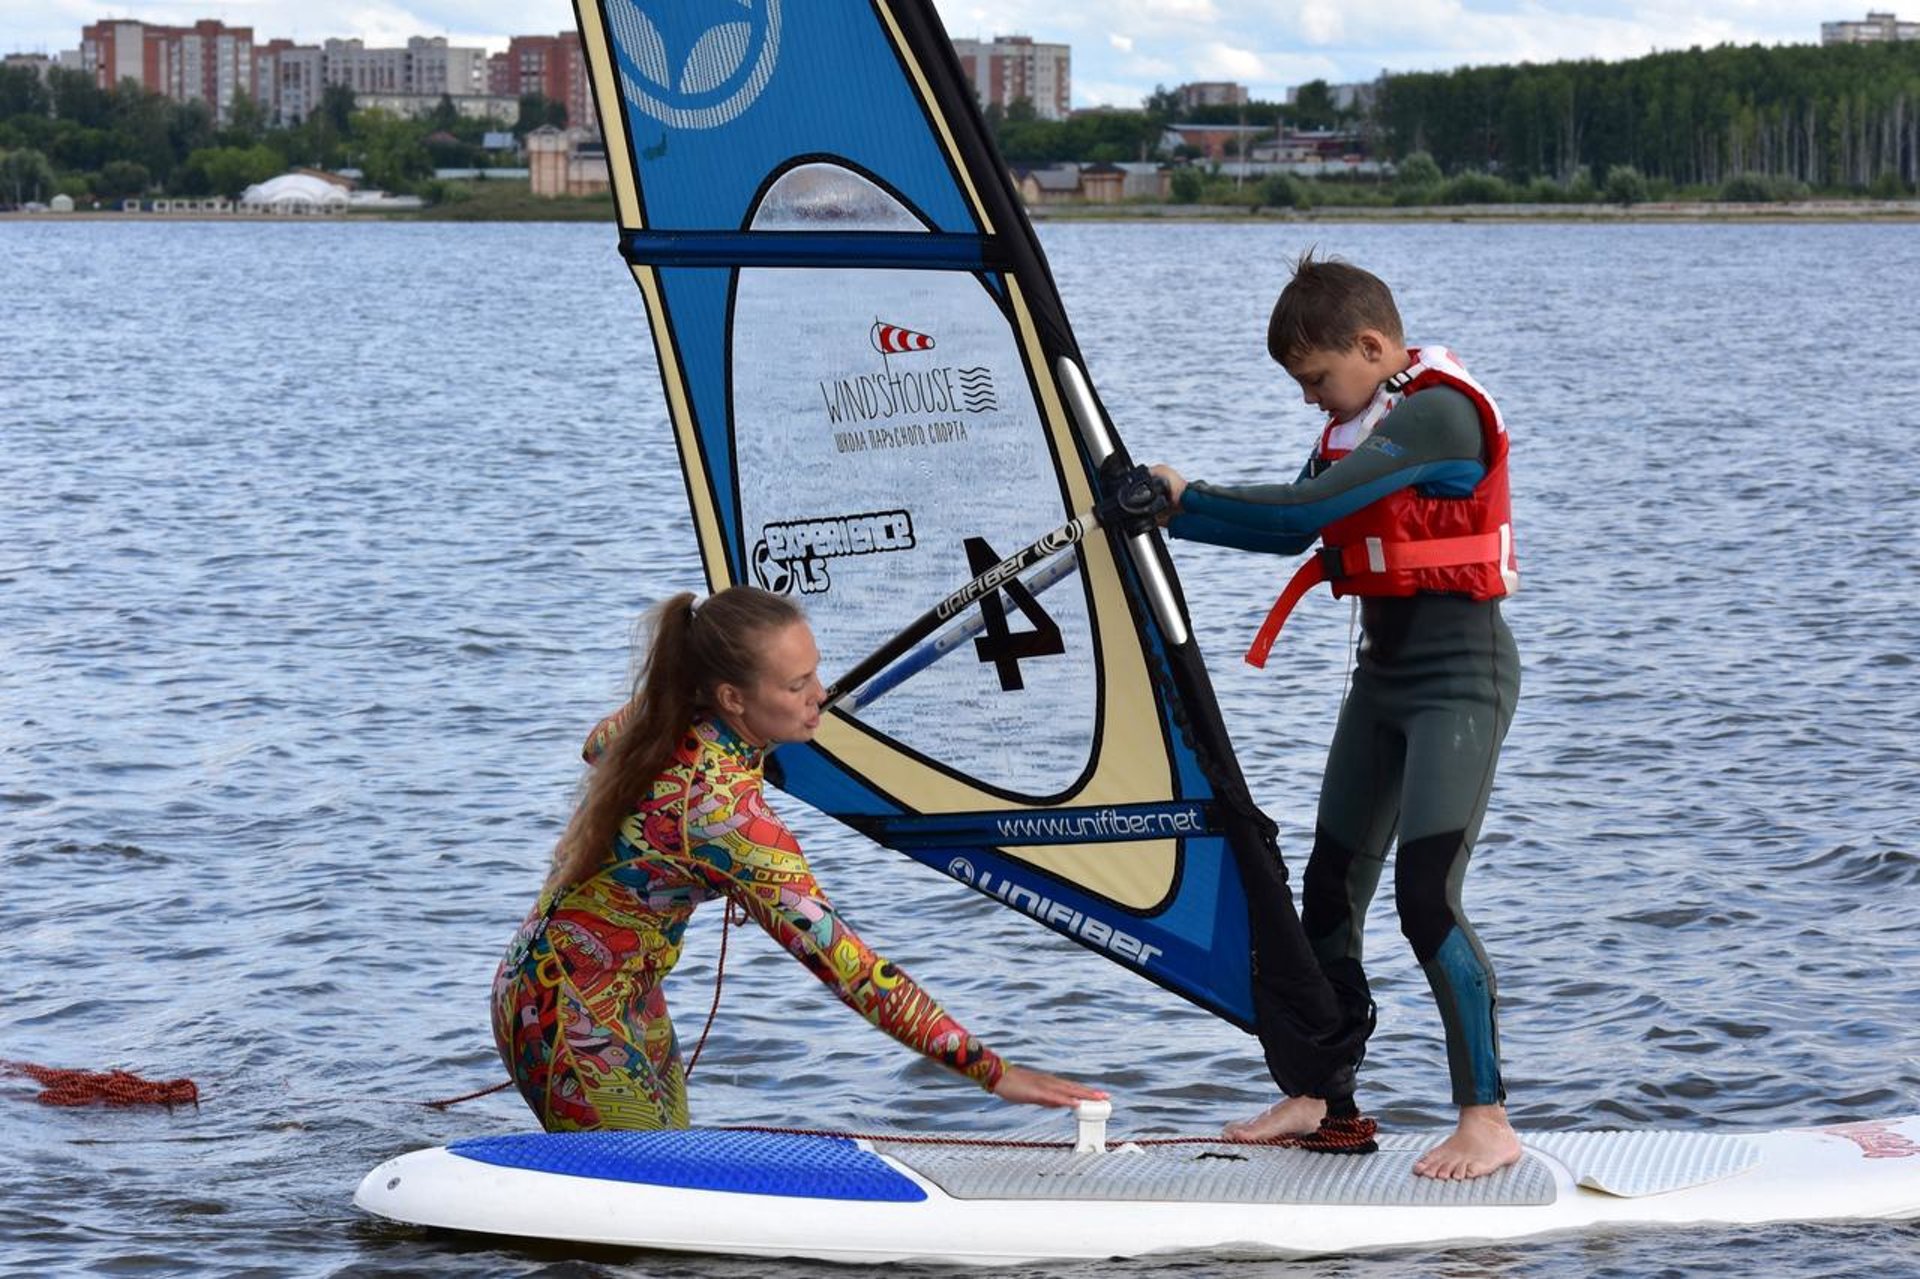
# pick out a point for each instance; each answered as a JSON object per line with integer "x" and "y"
{"x": 60, "y": 1087}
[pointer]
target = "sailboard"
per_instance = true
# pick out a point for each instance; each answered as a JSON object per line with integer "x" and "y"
{"x": 882, "y": 1199}
{"x": 876, "y": 397}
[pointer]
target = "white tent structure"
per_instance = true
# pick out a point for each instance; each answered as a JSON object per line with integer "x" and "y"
{"x": 295, "y": 193}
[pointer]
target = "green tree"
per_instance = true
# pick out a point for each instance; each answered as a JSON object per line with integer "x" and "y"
{"x": 1417, "y": 171}
{"x": 391, "y": 152}
{"x": 190, "y": 126}
{"x": 1162, "y": 105}
{"x": 1887, "y": 186}
{"x": 1313, "y": 106}
{"x": 337, "y": 105}
{"x": 22, "y": 93}
{"x": 444, "y": 115}
{"x": 246, "y": 122}
{"x": 77, "y": 149}
{"x": 76, "y": 97}
{"x": 1284, "y": 191}
{"x": 1626, "y": 185}
{"x": 121, "y": 180}
{"x": 153, "y": 132}
{"x": 25, "y": 176}
{"x": 1475, "y": 188}
{"x": 1185, "y": 186}
{"x": 536, "y": 112}
{"x": 227, "y": 171}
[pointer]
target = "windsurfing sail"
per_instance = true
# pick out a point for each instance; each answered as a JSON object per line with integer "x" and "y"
{"x": 876, "y": 396}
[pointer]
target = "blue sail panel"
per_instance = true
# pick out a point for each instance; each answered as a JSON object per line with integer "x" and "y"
{"x": 876, "y": 396}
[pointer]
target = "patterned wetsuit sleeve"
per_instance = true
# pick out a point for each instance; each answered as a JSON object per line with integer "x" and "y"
{"x": 1430, "y": 441}
{"x": 746, "y": 852}
{"x": 603, "y": 734}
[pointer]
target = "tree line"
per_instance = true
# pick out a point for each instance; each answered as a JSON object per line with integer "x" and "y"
{"x": 1748, "y": 122}
{"x": 1832, "y": 117}
{"x": 68, "y": 135}
{"x": 1741, "y": 122}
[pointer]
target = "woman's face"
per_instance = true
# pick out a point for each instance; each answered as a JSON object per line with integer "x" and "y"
{"x": 782, "y": 702}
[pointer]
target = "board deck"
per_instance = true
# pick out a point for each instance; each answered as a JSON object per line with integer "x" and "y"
{"x": 756, "y": 1193}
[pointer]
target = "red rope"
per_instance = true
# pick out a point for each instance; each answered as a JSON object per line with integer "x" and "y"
{"x": 60, "y": 1087}
{"x": 444, "y": 1102}
{"x": 719, "y": 976}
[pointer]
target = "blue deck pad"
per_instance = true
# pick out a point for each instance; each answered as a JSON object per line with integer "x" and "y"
{"x": 746, "y": 1163}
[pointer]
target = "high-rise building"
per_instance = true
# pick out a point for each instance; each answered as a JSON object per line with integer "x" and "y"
{"x": 427, "y": 66}
{"x": 437, "y": 67}
{"x": 288, "y": 79}
{"x": 555, "y": 67}
{"x": 1010, "y": 69}
{"x": 208, "y": 62}
{"x": 1877, "y": 28}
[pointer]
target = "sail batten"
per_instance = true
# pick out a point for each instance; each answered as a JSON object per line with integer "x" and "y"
{"x": 877, "y": 398}
{"x": 874, "y": 249}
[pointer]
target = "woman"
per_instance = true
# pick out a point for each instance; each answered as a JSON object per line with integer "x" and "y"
{"x": 674, "y": 815}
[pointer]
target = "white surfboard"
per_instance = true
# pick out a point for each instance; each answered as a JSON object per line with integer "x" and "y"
{"x": 760, "y": 1193}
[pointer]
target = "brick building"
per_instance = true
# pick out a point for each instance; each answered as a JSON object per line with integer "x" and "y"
{"x": 1009, "y": 69}
{"x": 208, "y": 62}
{"x": 555, "y": 67}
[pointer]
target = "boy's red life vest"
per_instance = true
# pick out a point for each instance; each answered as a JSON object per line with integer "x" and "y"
{"x": 1405, "y": 543}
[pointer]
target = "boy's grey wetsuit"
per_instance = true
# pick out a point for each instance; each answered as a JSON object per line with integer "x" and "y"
{"x": 1434, "y": 685}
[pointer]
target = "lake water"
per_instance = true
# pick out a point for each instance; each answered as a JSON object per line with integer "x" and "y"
{"x": 320, "y": 547}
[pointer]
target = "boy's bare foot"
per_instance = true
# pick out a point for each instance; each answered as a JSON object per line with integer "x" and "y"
{"x": 1484, "y": 1142}
{"x": 1286, "y": 1118}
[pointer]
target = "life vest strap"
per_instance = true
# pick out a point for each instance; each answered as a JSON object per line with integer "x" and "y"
{"x": 1365, "y": 558}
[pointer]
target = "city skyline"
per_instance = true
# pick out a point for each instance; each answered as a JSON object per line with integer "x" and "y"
{"x": 1121, "y": 49}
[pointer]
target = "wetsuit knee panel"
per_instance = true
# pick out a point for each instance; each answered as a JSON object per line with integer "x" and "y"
{"x": 1422, "y": 890}
{"x": 1326, "y": 889}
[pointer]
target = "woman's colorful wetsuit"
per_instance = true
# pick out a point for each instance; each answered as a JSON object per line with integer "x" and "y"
{"x": 579, "y": 1012}
{"x": 1434, "y": 682}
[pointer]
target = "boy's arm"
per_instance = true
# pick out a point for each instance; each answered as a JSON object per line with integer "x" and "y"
{"x": 1430, "y": 441}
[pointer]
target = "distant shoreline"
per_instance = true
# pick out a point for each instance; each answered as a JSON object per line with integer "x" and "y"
{"x": 1648, "y": 211}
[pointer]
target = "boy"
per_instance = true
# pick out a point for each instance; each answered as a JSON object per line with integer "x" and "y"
{"x": 1407, "y": 490}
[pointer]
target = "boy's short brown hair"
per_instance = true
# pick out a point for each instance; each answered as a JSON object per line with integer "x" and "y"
{"x": 1324, "y": 307}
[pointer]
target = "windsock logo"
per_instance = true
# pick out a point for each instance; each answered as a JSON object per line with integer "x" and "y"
{"x": 891, "y": 339}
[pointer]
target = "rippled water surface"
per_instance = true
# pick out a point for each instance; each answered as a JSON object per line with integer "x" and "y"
{"x": 320, "y": 546}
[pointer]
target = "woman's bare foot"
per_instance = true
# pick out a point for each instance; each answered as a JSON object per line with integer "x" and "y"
{"x": 1286, "y": 1118}
{"x": 1484, "y": 1142}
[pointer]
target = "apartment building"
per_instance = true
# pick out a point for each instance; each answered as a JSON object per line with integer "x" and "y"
{"x": 1877, "y": 28}
{"x": 425, "y": 66}
{"x": 555, "y": 67}
{"x": 1009, "y": 69}
{"x": 288, "y": 79}
{"x": 208, "y": 62}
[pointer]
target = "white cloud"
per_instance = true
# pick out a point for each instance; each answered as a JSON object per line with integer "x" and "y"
{"x": 1224, "y": 62}
{"x": 1106, "y": 93}
{"x": 1321, "y": 22}
{"x": 1123, "y": 43}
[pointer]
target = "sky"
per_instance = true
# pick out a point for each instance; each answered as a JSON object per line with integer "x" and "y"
{"x": 1122, "y": 49}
